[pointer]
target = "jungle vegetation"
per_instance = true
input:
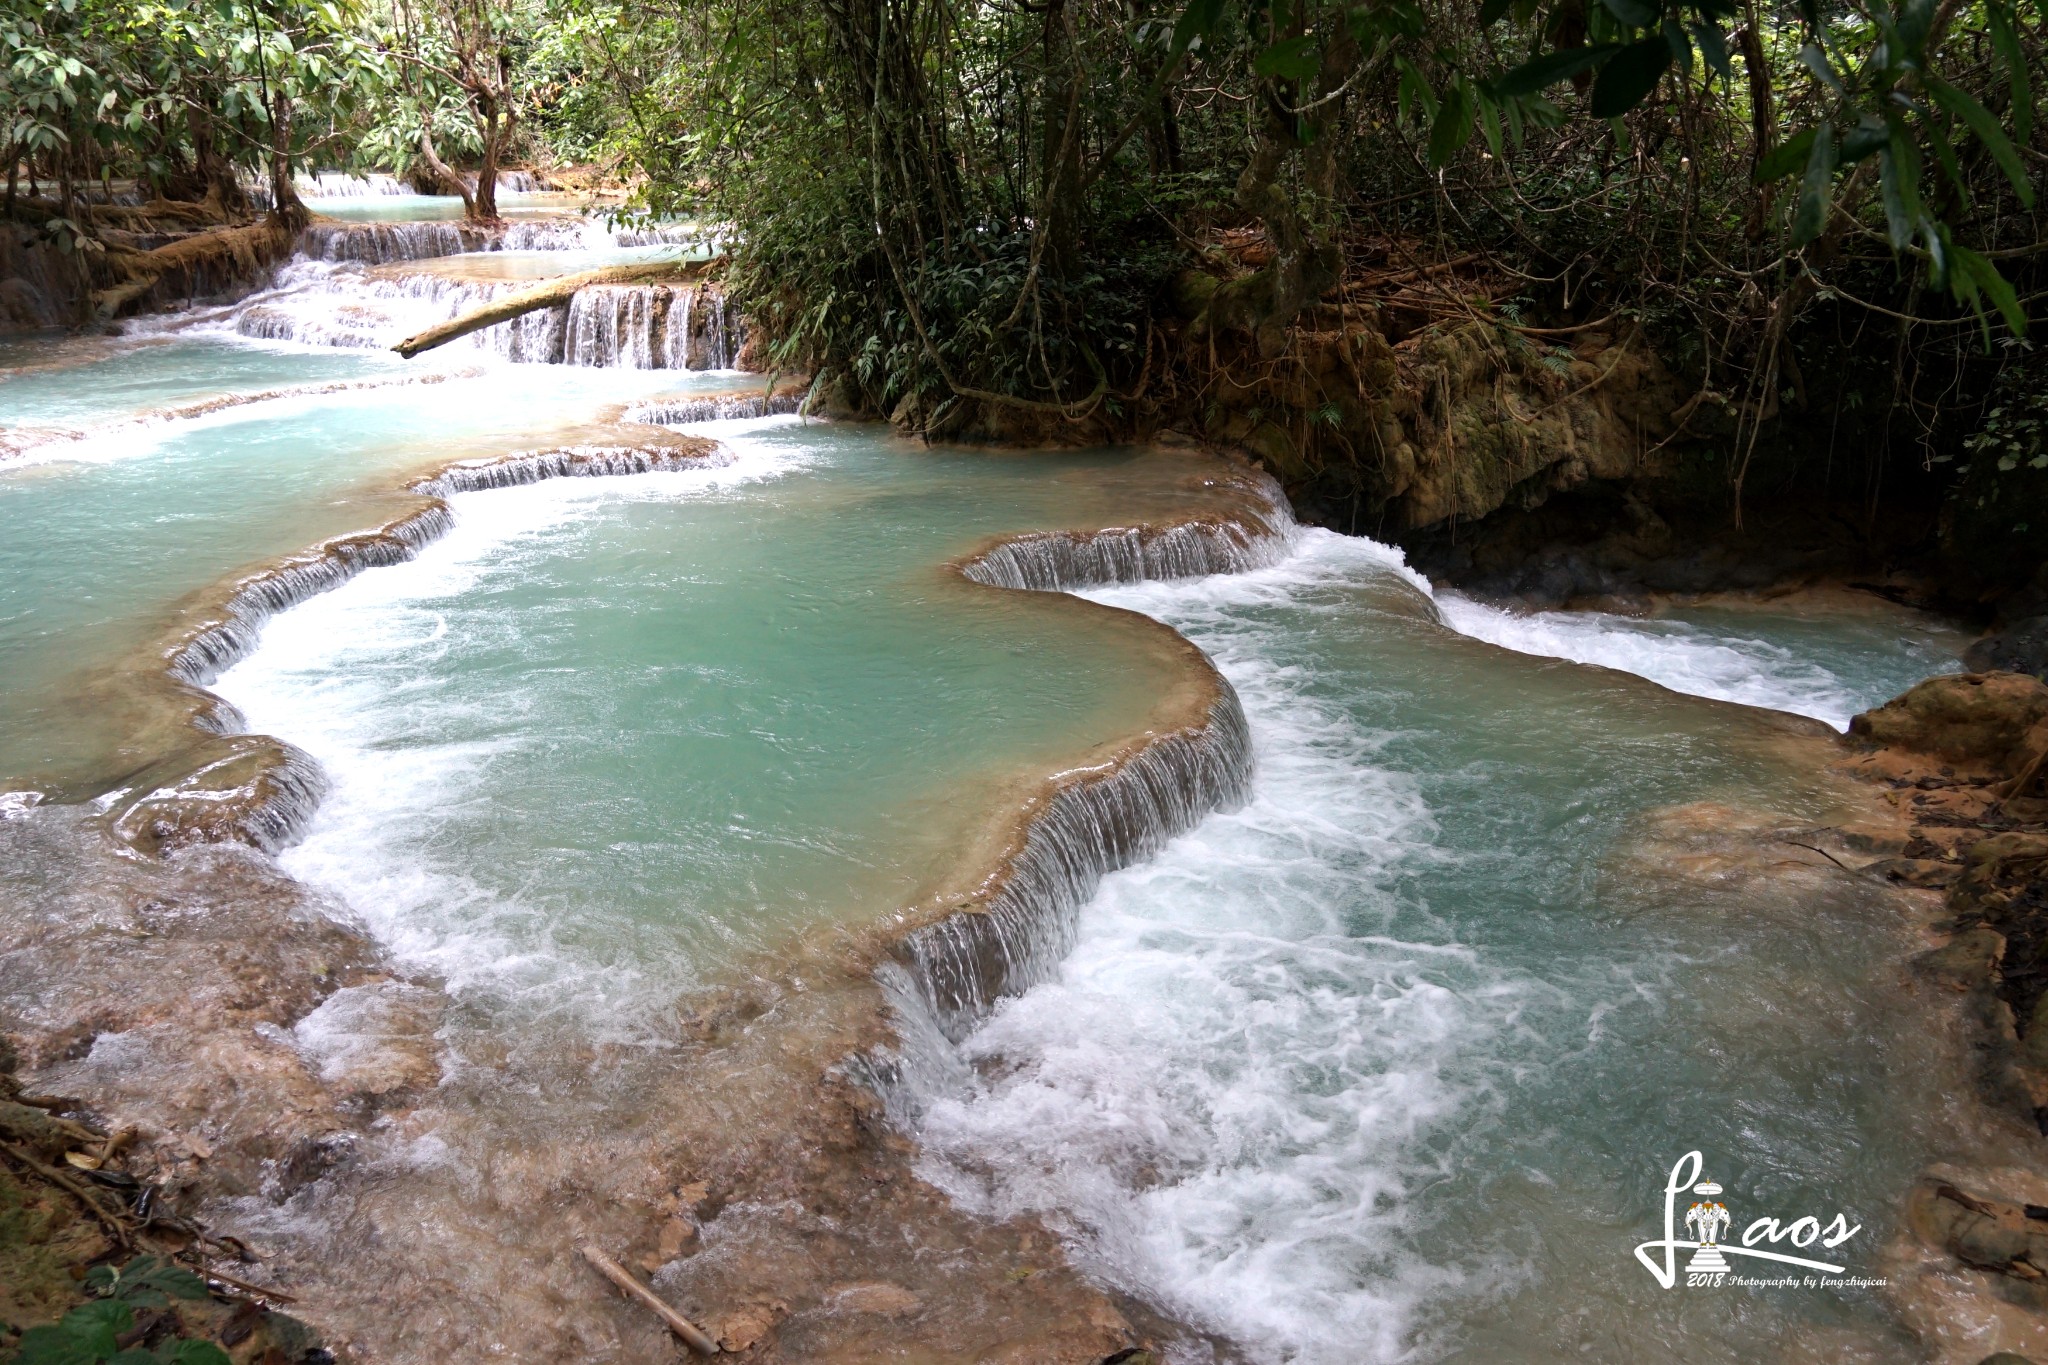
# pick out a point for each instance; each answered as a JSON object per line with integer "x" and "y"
{"x": 1074, "y": 211}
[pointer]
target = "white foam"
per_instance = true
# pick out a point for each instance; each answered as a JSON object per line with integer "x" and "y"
{"x": 341, "y": 677}
{"x": 1233, "y": 1098}
{"x": 1682, "y": 657}
{"x": 1225, "y": 1100}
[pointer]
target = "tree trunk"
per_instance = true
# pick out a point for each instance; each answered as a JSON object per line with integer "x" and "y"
{"x": 285, "y": 206}
{"x": 1264, "y": 304}
{"x": 223, "y": 192}
{"x": 484, "y": 207}
{"x": 447, "y": 175}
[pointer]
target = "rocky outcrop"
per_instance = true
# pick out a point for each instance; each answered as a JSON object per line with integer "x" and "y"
{"x": 1449, "y": 424}
{"x": 1991, "y": 722}
{"x": 1961, "y": 761}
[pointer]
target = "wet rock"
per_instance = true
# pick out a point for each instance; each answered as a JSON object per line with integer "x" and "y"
{"x": 1969, "y": 959}
{"x": 1921, "y": 872}
{"x": 374, "y": 1045}
{"x": 1971, "y": 718}
{"x": 743, "y": 1328}
{"x": 2034, "y": 1035}
{"x": 886, "y": 1300}
{"x": 1985, "y": 1234}
{"x": 2020, "y": 646}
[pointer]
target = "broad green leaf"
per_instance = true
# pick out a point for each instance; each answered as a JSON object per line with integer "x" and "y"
{"x": 1899, "y": 188}
{"x": 1912, "y": 21}
{"x": 1489, "y": 122}
{"x": 1492, "y": 11}
{"x": 1453, "y": 126}
{"x": 1414, "y": 92}
{"x": 1636, "y": 13}
{"x": 176, "y": 1281}
{"x": 1785, "y": 158}
{"x": 1815, "y": 187}
{"x": 1816, "y": 61}
{"x": 1680, "y": 45}
{"x": 1870, "y": 134}
{"x": 1534, "y": 76}
{"x": 2006, "y": 40}
{"x": 1984, "y": 275}
{"x": 1198, "y": 20}
{"x": 1295, "y": 59}
{"x": 1945, "y": 153}
{"x": 1714, "y": 47}
{"x": 1938, "y": 245}
{"x": 1629, "y": 77}
{"x": 1980, "y": 122}
{"x": 54, "y": 1346}
{"x": 190, "y": 1352}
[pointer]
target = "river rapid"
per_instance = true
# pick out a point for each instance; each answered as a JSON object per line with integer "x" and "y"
{"x": 1205, "y": 932}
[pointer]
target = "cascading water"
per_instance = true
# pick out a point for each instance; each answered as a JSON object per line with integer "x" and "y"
{"x": 1288, "y": 1081}
{"x": 345, "y": 185}
{"x": 332, "y": 302}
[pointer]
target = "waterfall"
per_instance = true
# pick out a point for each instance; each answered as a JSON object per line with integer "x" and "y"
{"x": 658, "y": 234}
{"x": 329, "y": 302}
{"x": 556, "y": 234}
{"x": 383, "y": 243}
{"x": 219, "y": 643}
{"x": 1105, "y": 820}
{"x": 722, "y": 407}
{"x": 675, "y": 341}
{"x": 950, "y": 973}
{"x": 569, "y": 463}
{"x": 616, "y": 325}
{"x": 1059, "y": 561}
{"x": 343, "y": 185}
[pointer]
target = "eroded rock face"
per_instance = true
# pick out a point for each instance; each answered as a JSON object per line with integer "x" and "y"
{"x": 1985, "y": 720}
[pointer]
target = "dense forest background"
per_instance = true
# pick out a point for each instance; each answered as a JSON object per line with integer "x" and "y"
{"x": 1428, "y": 260}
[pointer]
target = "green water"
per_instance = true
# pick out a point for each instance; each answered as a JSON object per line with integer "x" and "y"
{"x": 109, "y": 544}
{"x": 655, "y": 723}
{"x": 52, "y": 384}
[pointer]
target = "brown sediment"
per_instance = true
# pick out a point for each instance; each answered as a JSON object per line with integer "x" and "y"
{"x": 21, "y": 440}
{"x": 749, "y": 1165}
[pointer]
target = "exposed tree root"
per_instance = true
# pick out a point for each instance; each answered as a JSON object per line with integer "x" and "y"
{"x": 197, "y": 264}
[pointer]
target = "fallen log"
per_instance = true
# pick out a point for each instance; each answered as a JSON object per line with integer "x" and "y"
{"x": 547, "y": 294}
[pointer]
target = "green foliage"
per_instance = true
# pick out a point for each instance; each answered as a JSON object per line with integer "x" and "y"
{"x": 90, "y": 1333}
{"x": 2014, "y": 432}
